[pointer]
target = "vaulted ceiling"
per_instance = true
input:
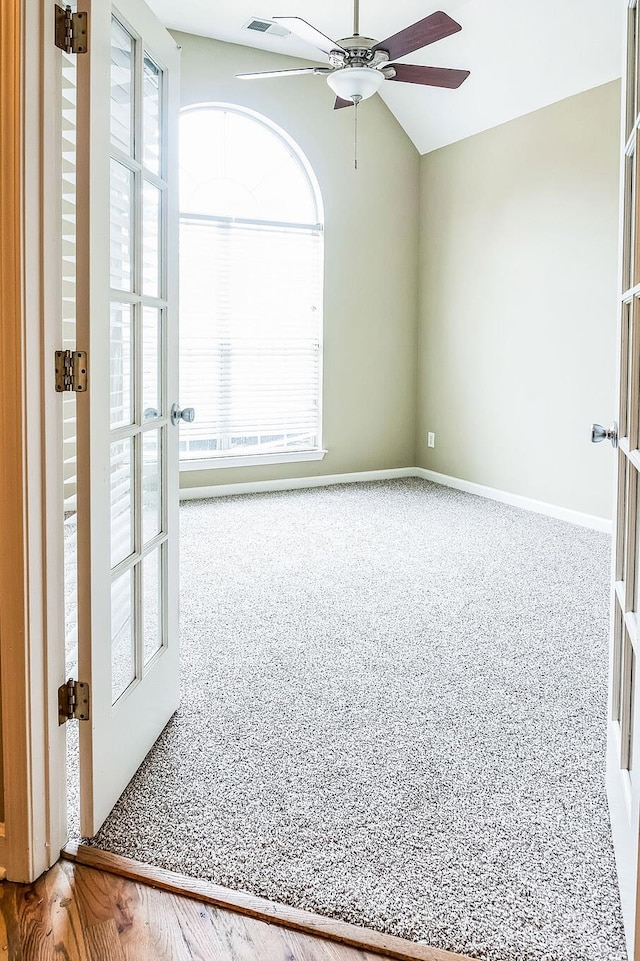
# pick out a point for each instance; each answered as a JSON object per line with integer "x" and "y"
{"x": 522, "y": 54}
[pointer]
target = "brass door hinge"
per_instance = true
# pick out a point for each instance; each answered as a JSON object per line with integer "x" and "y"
{"x": 71, "y": 370}
{"x": 71, "y": 30}
{"x": 73, "y": 701}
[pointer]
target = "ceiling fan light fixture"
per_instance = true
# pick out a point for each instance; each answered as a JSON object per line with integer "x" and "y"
{"x": 355, "y": 83}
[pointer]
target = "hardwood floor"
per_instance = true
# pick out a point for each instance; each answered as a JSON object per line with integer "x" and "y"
{"x": 80, "y": 913}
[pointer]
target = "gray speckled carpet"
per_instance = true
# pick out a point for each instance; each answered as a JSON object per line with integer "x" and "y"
{"x": 396, "y": 716}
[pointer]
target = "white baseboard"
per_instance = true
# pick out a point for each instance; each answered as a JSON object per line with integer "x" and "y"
{"x": 358, "y": 477}
{"x": 517, "y": 500}
{"x": 293, "y": 483}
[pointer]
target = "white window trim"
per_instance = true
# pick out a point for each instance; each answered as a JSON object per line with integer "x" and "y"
{"x": 253, "y": 460}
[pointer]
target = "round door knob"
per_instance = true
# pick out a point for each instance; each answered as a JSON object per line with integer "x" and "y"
{"x": 600, "y": 433}
{"x": 187, "y": 414}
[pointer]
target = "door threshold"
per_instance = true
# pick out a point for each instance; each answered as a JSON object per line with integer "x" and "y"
{"x": 260, "y": 909}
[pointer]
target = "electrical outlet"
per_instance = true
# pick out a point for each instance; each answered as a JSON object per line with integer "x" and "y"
{"x": 431, "y": 439}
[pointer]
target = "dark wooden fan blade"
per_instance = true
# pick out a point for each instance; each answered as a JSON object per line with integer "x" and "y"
{"x": 308, "y": 33}
{"x": 435, "y": 27}
{"x": 322, "y": 71}
{"x": 340, "y": 103}
{"x": 429, "y": 76}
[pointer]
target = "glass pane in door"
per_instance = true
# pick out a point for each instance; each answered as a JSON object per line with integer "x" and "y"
{"x": 121, "y": 350}
{"x": 627, "y": 703}
{"x": 617, "y": 661}
{"x": 151, "y": 346}
{"x": 122, "y": 526}
{"x": 626, "y": 367}
{"x": 122, "y": 182}
{"x": 123, "y": 669}
{"x": 121, "y": 87}
{"x": 152, "y": 578}
{"x": 152, "y": 121}
{"x": 152, "y": 199}
{"x": 633, "y": 74}
{"x": 151, "y": 485}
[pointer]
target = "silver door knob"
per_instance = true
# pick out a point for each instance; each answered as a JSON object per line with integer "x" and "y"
{"x": 600, "y": 433}
{"x": 187, "y": 414}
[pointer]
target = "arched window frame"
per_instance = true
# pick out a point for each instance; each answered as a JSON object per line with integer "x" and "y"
{"x": 317, "y": 452}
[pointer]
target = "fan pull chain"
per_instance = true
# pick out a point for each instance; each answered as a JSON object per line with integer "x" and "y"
{"x": 355, "y": 134}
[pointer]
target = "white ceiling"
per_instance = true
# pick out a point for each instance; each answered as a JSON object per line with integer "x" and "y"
{"x": 522, "y": 54}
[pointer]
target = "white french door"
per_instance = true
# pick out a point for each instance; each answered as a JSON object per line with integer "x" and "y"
{"x": 623, "y": 752}
{"x": 127, "y": 446}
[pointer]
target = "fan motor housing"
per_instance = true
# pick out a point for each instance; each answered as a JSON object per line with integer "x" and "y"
{"x": 360, "y": 53}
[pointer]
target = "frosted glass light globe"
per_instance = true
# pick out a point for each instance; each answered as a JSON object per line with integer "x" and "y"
{"x": 355, "y": 83}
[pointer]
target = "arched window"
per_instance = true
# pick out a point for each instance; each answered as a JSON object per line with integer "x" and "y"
{"x": 251, "y": 278}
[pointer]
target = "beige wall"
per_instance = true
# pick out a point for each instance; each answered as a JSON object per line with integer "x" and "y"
{"x": 371, "y": 256}
{"x": 518, "y": 276}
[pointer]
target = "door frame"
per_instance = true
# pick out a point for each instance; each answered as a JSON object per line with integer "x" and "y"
{"x": 31, "y": 608}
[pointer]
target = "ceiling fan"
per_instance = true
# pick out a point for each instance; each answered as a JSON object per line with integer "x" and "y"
{"x": 358, "y": 66}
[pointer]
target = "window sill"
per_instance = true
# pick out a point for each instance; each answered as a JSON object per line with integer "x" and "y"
{"x": 252, "y": 460}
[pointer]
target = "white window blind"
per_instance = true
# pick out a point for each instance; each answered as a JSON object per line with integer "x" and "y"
{"x": 250, "y": 335}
